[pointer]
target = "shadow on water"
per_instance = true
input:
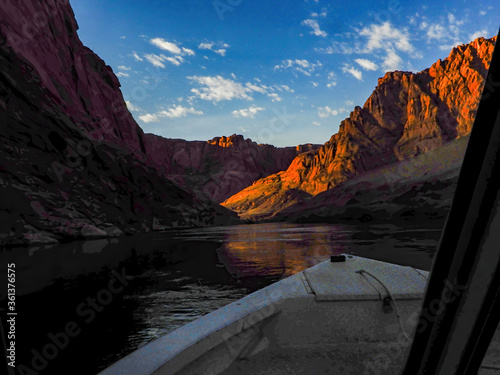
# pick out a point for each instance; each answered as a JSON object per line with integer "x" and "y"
{"x": 83, "y": 305}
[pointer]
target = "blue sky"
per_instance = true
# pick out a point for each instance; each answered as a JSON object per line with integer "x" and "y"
{"x": 278, "y": 72}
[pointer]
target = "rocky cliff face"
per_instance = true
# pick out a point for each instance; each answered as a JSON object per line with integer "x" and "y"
{"x": 407, "y": 115}
{"x": 220, "y": 167}
{"x": 43, "y": 34}
{"x": 416, "y": 191}
{"x": 72, "y": 159}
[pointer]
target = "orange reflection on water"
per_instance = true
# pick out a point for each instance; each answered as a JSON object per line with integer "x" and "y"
{"x": 282, "y": 251}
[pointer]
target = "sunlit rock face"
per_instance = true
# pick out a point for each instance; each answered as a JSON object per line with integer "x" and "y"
{"x": 73, "y": 162}
{"x": 220, "y": 167}
{"x": 408, "y": 114}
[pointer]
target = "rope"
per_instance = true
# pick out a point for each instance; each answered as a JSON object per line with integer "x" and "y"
{"x": 392, "y": 298}
{"x": 361, "y": 272}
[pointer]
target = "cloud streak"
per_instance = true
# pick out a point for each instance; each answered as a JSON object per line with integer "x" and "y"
{"x": 249, "y": 112}
{"x": 314, "y": 25}
{"x": 302, "y": 66}
{"x": 175, "y": 112}
{"x": 353, "y": 71}
{"x": 217, "y": 89}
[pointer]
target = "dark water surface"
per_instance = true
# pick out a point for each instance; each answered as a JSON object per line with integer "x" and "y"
{"x": 83, "y": 305}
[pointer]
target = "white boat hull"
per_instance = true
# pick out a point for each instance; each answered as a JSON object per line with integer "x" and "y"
{"x": 328, "y": 319}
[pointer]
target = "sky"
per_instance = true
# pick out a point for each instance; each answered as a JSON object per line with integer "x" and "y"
{"x": 278, "y": 72}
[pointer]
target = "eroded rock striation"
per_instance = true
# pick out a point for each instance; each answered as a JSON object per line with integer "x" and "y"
{"x": 408, "y": 114}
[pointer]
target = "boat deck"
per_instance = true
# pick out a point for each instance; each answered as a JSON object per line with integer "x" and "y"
{"x": 330, "y": 281}
{"x": 337, "y": 360}
{"x": 329, "y": 319}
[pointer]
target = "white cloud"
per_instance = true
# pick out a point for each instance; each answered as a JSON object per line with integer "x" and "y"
{"x": 483, "y": 13}
{"x": 315, "y": 123}
{"x": 171, "y": 47}
{"x": 385, "y": 36}
{"x": 353, "y": 71}
{"x": 478, "y": 34}
{"x": 314, "y": 25}
{"x": 332, "y": 80}
{"x": 205, "y": 45}
{"x": 373, "y": 39}
{"x": 147, "y": 118}
{"x": 155, "y": 60}
{"x": 174, "y": 112}
{"x": 122, "y": 74}
{"x": 367, "y": 64}
{"x": 132, "y": 107}
{"x": 136, "y": 56}
{"x": 302, "y": 66}
{"x": 448, "y": 33}
{"x": 187, "y": 51}
{"x": 159, "y": 60}
{"x": 321, "y": 15}
{"x": 349, "y": 102}
{"x": 222, "y": 47}
{"x": 249, "y": 112}
{"x": 340, "y": 47}
{"x": 438, "y": 32}
{"x": 315, "y": 84}
{"x": 123, "y": 67}
{"x": 218, "y": 88}
{"x": 392, "y": 61}
{"x": 285, "y": 88}
{"x": 251, "y": 86}
{"x": 179, "y": 111}
{"x": 176, "y": 60}
{"x": 325, "y": 112}
{"x": 377, "y": 38}
{"x": 167, "y": 46}
{"x": 275, "y": 97}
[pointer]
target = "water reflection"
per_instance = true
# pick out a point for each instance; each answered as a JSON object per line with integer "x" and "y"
{"x": 173, "y": 278}
{"x": 279, "y": 250}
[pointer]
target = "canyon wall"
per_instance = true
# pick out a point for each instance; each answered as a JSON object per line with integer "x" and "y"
{"x": 408, "y": 114}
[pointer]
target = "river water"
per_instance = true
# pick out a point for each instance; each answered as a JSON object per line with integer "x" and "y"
{"x": 83, "y": 305}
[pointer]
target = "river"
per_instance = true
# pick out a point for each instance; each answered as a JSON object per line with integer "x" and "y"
{"x": 83, "y": 305}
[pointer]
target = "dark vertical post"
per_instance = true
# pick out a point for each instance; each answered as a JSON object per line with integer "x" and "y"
{"x": 461, "y": 308}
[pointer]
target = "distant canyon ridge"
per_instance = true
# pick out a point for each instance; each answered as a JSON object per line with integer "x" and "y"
{"x": 75, "y": 164}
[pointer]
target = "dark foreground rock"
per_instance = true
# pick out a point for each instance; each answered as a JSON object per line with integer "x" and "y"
{"x": 72, "y": 159}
